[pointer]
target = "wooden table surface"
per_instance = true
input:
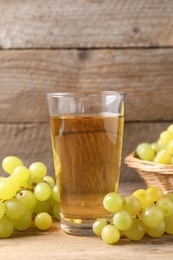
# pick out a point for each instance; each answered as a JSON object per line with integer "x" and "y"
{"x": 55, "y": 244}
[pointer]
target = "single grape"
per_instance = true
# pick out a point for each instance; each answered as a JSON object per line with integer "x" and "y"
{"x": 156, "y": 231}
{"x": 49, "y": 180}
{"x": 37, "y": 170}
{"x": 170, "y": 147}
{"x": 55, "y": 195}
{"x": 166, "y": 137}
{"x": 113, "y": 202}
{"x": 155, "y": 146}
{"x": 98, "y": 225}
{"x": 24, "y": 222}
{"x": 152, "y": 216}
{"x": 53, "y": 202}
{"x": 43, "y": 221}
{"x": 2, "y": 209}
{"x": 166, "y": 205}
{"x": 161, "y": 146}
{"x": 6, "y": 227}
{"x": 9, "y": 163}
{"x": 132, "y": 205}
{"x": 145, "y": 152}
{"x": 163, "y": 157}
{"x": 143, "y": 196}
{"x": 42, "y": 206}
{"x": 21, "y": 175}
{"x": 170, "y": 128}
{"x": 169, "y": 196}
{"x": 110, "y": 234}
{"x": 155, "y": 193}
{"x": 42, "y": 191}
{"x": 169, "y": 224}
{"x": 14, "y": 209}
{"x": 27, "y": 198}
{"x": 122, "y": 220}
{"x": 56, "y": 211}
{"x": 136, "y": 230}
{"x": 8, "y": 188}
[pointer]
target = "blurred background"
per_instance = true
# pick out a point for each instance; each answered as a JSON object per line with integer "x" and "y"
{"x": 75, "y": 45}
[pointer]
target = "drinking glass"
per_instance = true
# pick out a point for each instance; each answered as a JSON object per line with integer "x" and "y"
{"x": 86, "y": 132}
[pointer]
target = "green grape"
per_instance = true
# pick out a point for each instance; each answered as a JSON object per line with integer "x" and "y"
{"x": 169, "y": 196}
{"x": 55, "y": 193}
{"x": 143, "y": 196}
{"x": 9, "y": 163}
{"x": 170, "y": 128}
{"x": 166, "y": 137}
{"x": 152, "y": 216}
{"x": 155, "y": 193}
{"x": 24, "y": 222}
{"x": 145, "y": 152}
{"x": 37, "y": 170}
{"x": 169, "y": 224}
{"x": 170, "y": 147}
{"x": 113, "y": 202}
{"x": 42, "y": 206}
{"x": 155, "y": 146}
{"x": 122, "y": 220}
{"x": 56, "y": 211}
{"x": 42, "y": 191}
{"x": 6, "y": 227}
{"x": 49, "y": 180}
{"x": 14, "y": 209}
{"x": 8, "y": 188}
{"x": 156, "y": 231}
{"x": 43, "y": 221}
{"x": 21, "y": 175}
{"x": 161, "y": 146}
{"x": 166, "y": 205}
{"x": 98, "y": 225}
{"x": 53, "y": 202}
{"x": 110, "y": 234}
{"x": 132, "y": 205}
{"x": 27, "y": 198}
{"x": 2, "y": 209}
{"x": 163, "y": 157}
{"x": 136, "y": 231}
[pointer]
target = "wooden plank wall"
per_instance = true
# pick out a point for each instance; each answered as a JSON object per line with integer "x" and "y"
{"x": 72, "y": 45}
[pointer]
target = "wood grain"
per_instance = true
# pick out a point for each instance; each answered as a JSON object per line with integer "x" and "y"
{"x": 55, "y": 244}
{"x": 144, "y": 74}
{"x": 31, "y": 142}
{"x": 85, "y": 24}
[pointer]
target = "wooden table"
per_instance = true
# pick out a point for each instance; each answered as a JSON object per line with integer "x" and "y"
{"x": 55, "y": 244}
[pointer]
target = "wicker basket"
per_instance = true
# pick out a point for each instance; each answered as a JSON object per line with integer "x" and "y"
{"x": 152, "y": 173}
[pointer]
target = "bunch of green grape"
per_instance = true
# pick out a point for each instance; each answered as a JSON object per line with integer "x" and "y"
{"x": 160, "y": 151}
{"x": 146, "y": 211}
{"x": 27, "y": 195}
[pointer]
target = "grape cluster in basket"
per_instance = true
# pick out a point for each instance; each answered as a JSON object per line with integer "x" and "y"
{"x": 27, "y": 195}
{"x": 146, "y": 211}
{"x": 160, "y": 151}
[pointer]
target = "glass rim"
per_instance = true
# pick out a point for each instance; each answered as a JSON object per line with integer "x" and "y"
{"x": 86, "y": 93}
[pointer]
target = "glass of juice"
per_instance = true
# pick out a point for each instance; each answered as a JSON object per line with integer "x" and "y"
{"x": 86, "y": 132}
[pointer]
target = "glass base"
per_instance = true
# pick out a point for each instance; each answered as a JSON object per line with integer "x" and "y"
{"x": 78, "y": 227}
